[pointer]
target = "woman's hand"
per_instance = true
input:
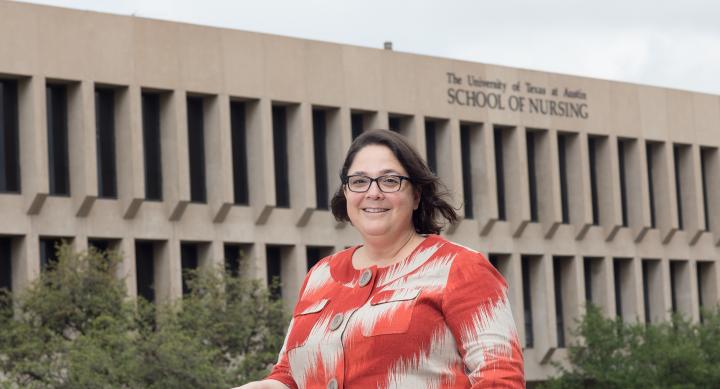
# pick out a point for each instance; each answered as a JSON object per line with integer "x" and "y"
{"x": 264, "y": 384}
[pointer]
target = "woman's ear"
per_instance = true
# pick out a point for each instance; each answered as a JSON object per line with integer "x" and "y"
{"x": 416, "y": 200}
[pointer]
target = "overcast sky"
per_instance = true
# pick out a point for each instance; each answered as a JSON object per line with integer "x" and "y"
{"x": 665, "y": 43}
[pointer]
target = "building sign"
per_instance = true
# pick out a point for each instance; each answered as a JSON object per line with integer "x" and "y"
{"x": 518, "y": 96}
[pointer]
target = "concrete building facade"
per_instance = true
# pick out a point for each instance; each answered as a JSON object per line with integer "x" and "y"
{"x": 187, "y": 146}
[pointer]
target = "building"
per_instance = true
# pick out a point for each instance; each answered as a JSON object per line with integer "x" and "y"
{"x": 189, "y": 146}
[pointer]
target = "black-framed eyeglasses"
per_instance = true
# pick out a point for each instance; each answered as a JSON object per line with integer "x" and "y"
{"x": 387, "y": 184}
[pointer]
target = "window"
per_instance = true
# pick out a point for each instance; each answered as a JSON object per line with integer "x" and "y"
{"x": 49, "y": 251}
{"x": 5, "y": 263}
{"x": 707, "y": 155}
{"x": 466, "y": 138}
{"x": 280, "y": 150}
{"x": 357, "y": 123}
{"x": 9, "y": 146}
{"x": 57, "y": 137}
{"x": 680, "y": 287}
{"x": 145, "y": 269}
{"x": 196, "y": 148}
{"x": 531, "y": 146}
{"x": 399, "y": 123}
{"x": 561, "y": 269}
{"x": 622, "y": 146}
{"x": 105, "y": 136}
{"x": 593, "y": 150}
{"x": 103, "y": 245}
{"x": 431, "y": 144}
{"x": 235, "y": 256}
{"x": 274, "y": 259}
{"x": 650, "y": 151}
{"x": 316, "y": 253}
{"x": 680, "y": 153}
{"x": 152, "y": 146}
{"x": 189, "y": 259}
{"x": 500, "y": 172}
{"x": 563, "y": 144}
{"x": 706, "y": 285}
{"x": 239, "y": 152}
{"x": 322, "y": 196}
{"x": 624, "y": 298}
{"x": 652, "y": 290}
{"x": 592, "y": 269}
{"x": 527, "y": 299}
{"x": 5, "y": 272}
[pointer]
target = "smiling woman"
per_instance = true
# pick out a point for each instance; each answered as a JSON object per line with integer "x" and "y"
{"x": 406, "y": 308}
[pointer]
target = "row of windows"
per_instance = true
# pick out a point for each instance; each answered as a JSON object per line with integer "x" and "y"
{"x": 597, "y": 282}
{"x": 147, "y": 254}
{"x": 538, "y": 146}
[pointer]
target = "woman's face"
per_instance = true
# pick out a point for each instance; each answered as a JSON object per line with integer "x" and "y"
{"x": 375, "y": 213}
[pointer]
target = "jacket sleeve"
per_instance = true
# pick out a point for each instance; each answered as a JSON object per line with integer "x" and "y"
{"x": 281, "y": 370}
{"x": 477, "y": 311}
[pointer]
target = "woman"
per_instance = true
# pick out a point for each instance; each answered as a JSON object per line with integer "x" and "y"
{"x": 407, "y": 308}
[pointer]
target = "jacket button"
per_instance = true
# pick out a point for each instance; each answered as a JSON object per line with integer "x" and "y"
{"x": 332, "y": 384}
{"x": 365, "y": 277}
{"x": 336, "y": 322}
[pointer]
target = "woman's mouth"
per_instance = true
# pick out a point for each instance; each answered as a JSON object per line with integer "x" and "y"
{"x": 375, "y": 210}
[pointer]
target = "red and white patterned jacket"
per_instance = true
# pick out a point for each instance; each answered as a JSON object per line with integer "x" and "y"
{"x": 438, "y": 319}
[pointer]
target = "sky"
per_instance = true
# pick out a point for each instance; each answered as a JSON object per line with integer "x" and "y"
{"x": 664, "y": 43}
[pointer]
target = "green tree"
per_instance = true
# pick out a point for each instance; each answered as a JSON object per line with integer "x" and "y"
{"x": 614, "y": 354}
{"x": 74, "y": 327}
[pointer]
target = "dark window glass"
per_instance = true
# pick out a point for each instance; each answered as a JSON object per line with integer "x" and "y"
{"x": 649, "y": 152}
{"x": 617, "y": 274}
{"x": 559, "y": 320}
{"x": 623, "y": 182}
{"x": 9, "y": 141}
{"x": 101, "y": 245}
{"x": 234, "y": 256}
{"x": 705, "y": 155}
{"x": 189, "y": 257}
{"x": 274, "y": 270}
{"x": 357, "y": 124}
{"x": 431, "y": 144}
{"x": 49, "y": 252}
{"x": 5, "y": 273}
{"x": 702, "y": 268}
{"x": 151, "y": 146}
{"x": 239, "y": 152}
{"x": 532, "y": 174}
{"x": 145, "y": 269}
{"x": 500, "y": 173}
{"x": 562, "y": 160}
{"x": 316, "y": 253}
{"x": 196, "y": 148}
{"x": 280, "y": 149}
{"x": 646, "y": 289}
{"x": 394, "y": 123}
{"x": 678, "y": 184}
{"x": 5, "y": 264}
{"x": 593, "y": 154}
{"x": 57, "y": 137}
{"x": 587, "y": 270}
{"x": 674, "y": 274}
{"x": 527, "y": 302}
{"x": 322, "y": 197}
{"x": 466, "y": 158}
{"x": 105, "y": 136}
{"x": 494, "y": 260}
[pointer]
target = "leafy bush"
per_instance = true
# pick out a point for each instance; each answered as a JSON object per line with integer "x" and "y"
{"x": 613, "y": 354}
{"x": 74, "y": 327}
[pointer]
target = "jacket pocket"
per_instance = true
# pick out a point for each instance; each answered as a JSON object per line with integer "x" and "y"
{"x": 305, "y": 318}
{"x": 393, "y": 310}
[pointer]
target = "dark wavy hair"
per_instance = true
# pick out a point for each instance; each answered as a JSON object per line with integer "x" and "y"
{"x": 432, "y": 207}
